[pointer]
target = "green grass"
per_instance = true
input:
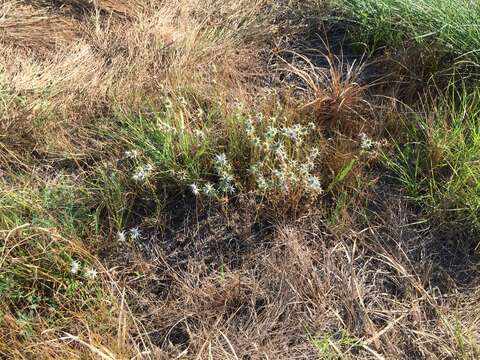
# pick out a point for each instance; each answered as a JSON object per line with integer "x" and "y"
{"x": 438, "y": 164}
{"x": 451, "y": 27}
{"x": 333, "y": 346}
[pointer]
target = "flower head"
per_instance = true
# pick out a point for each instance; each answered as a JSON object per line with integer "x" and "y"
{"x": 74, "y": 267}
{"x": 121, "y": 236}
{"x": 131, "y": 154}
{"x": 226, "y": 178}
{"x": 139, "y": 176}
{"x": 135, "y": 233}
{"x": 91, "y": 273}
{"x": 271, "y": 132}
{"x": 221, "y": 159}
{"x": 142, "y": 172}
{"x": 148, "y": 168}
{"x": 366, "y": 142}
{"x": 195, "y": 189}
{"x": 208, "y": 189}
{"x": 250, "y": 128}
{"x": 314, "y": 184}
{"x": 199, "y": 133}
{"x": 262, "y": 183}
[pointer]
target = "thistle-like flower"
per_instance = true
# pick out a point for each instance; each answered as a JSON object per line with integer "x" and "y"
{"x": 121, "y": 236}
{"x": 135, "y": 233}
{"x": 139, "y": 176}
{"x": 195, "y": 189}
{"x": 142, "y": 173}
{"x": 226, "y": 178}
{"x": 199, "y": 133}
{"x": 314, "y": 184}
{"x": 208, "y": 189}
{"x": 131, "y": 154}
{"x": 262, "y": 183}
{"x": 91, "y": 273}
{"x": 74, "y": 267}
{"x": 221, "y": 159}
{"x": 249, "y": 128}
{"x": 291, "y": 133}
{"x": 366, "y": 142}
{"x": 271, "y": 132}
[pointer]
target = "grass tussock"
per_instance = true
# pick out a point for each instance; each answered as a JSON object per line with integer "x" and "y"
{"x": 443, "y": 173}
{"x": 233, "y": 180}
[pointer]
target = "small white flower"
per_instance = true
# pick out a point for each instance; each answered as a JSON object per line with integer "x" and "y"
{"x": 135, "y": 233}
{"x": 226, "y": 178}
{"x": 305, "y": 169}
{"x": 282, "y": 155}
{"x": 121, "y": 236}
{"x": 182, "y": 175}
{"x": 262, "y": 183}
{"x": 231, "y": 189}
{"x": 366, "y": 142}
{"x": 280, "y": 175}
{"x": 271, "y": 132}
{"x": 74, "y": 267}
{"x": 291, "y": 133}
{"x": 314, "y": 152}
{"x": 275, "y": 147}
{"x": 131, "y": 154}
{"x": 142, "y": 173}
{"x": 199, "y": 133}
{"x": 254, "y": 169}
{"x": 139, "y": 176}
{"x": 208, "y": 189}
{"x": 91, "y": 273}
{"x": 314, "y": 184}
{"x": 221, "y": 159}
{"x": 195, "y": 189}
{"x": 250, "y": 128}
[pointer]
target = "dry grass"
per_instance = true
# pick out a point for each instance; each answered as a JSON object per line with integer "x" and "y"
{"x": 94, "y": 69}
{"x": 20, "y": 24}
{"x": 302, "y": 292}
{"x": 353, "y": 273}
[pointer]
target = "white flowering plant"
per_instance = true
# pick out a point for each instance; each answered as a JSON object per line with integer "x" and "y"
{"x": 283, "y": 159}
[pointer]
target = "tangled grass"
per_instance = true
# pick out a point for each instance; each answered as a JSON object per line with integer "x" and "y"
{"x": 214, "y": 180}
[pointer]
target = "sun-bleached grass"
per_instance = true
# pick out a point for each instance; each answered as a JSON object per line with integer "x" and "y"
{"x": 85, "y": 77}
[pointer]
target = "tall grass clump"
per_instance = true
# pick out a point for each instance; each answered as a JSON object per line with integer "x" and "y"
{"x": 451, "y": 26}
{"x": 438, "y": 164}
